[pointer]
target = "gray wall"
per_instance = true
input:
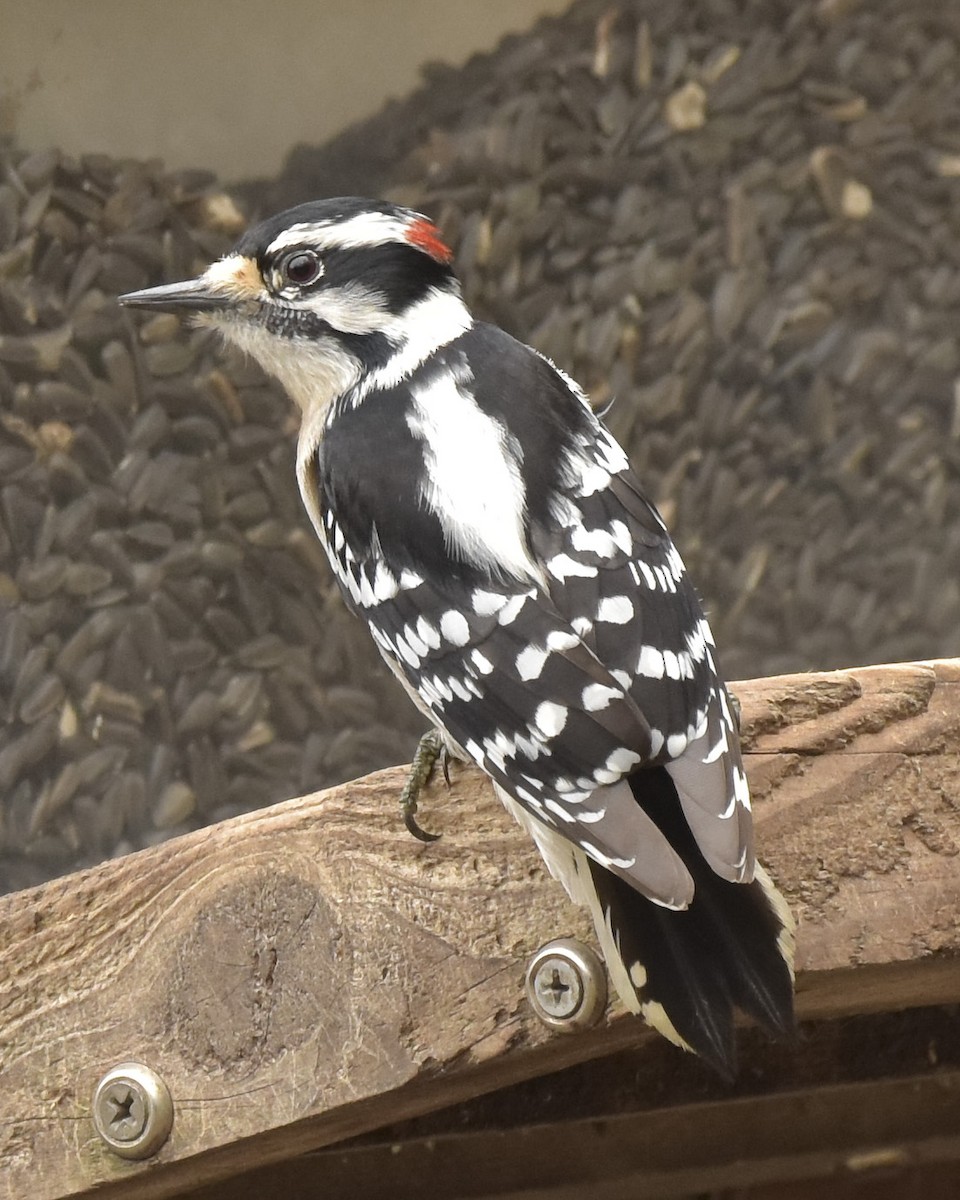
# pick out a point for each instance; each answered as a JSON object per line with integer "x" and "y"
{"x": 227, "y": 84}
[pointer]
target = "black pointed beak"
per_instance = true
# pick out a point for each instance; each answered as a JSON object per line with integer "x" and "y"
{"x": 193, "y": 295}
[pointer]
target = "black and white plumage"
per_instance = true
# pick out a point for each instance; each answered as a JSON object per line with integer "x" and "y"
{"x": 481, "y": 519}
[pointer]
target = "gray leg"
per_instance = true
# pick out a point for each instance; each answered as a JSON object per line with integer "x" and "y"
{"x": 430, "y": 748}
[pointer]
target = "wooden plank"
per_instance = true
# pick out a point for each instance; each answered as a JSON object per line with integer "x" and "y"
{"x": 884, "y": 1091}
{"x": 308, "y": 972}
{"x": 829, "y": 1133}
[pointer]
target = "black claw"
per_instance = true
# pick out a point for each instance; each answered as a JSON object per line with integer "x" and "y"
{"x": 410, "y": 820}
{"x": 445, "y": 764}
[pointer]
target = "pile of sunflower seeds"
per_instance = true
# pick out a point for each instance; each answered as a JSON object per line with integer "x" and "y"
{"x": 741, "y": 220}
{"x": 171, "y": 649}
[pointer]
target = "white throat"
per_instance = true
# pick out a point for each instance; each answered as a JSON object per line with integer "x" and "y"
{"x": 313, "y": 372}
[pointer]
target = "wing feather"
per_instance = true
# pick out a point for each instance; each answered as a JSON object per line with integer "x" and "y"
{"x": 563, "y": 687}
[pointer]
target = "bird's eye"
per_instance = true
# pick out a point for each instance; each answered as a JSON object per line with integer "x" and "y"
{"x": 302, "y": 268}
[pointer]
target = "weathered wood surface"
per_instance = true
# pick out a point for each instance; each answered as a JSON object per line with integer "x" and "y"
{"x": 308, "y": 972}
{"x": 872, "y": 1100}
{"x": 882, "y": 1129}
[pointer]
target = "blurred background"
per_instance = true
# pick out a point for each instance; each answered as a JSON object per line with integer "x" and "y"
{"x": 737, "y": 220}
{"x": 229, "y": 87}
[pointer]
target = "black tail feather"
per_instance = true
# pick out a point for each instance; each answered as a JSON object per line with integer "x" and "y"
{"x": 732, "y": 948}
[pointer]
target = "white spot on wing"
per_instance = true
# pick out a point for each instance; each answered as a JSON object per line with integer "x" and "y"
{"x": 593, "y": 478}
{"x": 550, "y": 718}
{"x": 675, "y": 563}
{"x": 454, "y": 627}
{"x": 610, "y": 452}
{"x": 352, "y": 586}
{"x": 601, "y": 775}
{"x": 617, "y": 610}
{"x": 638, "y": 975}
{"x": 530, "y": 662}
{"x": 528, "y": 797}
{"x": 592, "y": 541}
{"x": 648, "y": 575}
{"x": 588, "y": 816}
{"x": 621, "y": 536}
{"x": 597, "y": 696}
{"x": 562, "y": 566}
{"x": 607, "y": 860}
{"x": 559, "y": 811}
{"x": 511, "y": 608}
{"x": 406, "y": 652}
{"x": 485, "y": 604}
{"x": 385, "y": 587}
{"x": 428, "y": 633}
{"x": 741, "y": 788}
{"x": 465, "y": 689}
{"x": 367, "y": 598}
{"x": 676, "y": 744}
{"x": 481, "y": 662}
{"x": 622, "y": 760}
{"x": 696, "y": 643}
{"x": 416, "y": 643}
{"x": 560, "y": 639}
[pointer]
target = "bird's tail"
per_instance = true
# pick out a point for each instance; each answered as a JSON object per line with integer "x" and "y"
{"x": 685, "y": 971}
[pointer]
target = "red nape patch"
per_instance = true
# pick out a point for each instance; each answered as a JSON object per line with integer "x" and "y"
{"x": 426, "y": 236}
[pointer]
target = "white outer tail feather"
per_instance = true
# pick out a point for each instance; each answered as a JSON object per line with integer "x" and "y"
{"x": 568, "y": 864}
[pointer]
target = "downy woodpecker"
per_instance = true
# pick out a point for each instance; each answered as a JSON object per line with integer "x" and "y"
{"x": 489, "y": 529}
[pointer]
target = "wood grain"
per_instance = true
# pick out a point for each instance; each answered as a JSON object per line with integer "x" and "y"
{"x": 304, "y": 973}
{"x": 848, "y": 1131}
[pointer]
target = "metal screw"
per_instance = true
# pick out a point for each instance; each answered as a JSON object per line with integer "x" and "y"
{"x": 566, "y": 985}
{"x": 132, "y": 1110}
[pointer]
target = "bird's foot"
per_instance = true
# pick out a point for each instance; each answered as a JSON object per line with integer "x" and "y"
{"x": 430, "y": 748}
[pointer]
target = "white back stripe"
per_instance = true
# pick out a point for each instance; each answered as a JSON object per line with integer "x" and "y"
{"x": 473, "y": 482}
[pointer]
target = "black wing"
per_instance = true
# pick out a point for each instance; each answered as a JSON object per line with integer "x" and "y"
{"x": 562, "y": 680}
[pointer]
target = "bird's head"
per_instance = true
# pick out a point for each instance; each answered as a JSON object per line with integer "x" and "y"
{"x": 327, "y": 294}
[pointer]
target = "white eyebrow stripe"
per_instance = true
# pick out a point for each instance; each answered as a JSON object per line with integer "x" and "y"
{"x": 365, "y": 229}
